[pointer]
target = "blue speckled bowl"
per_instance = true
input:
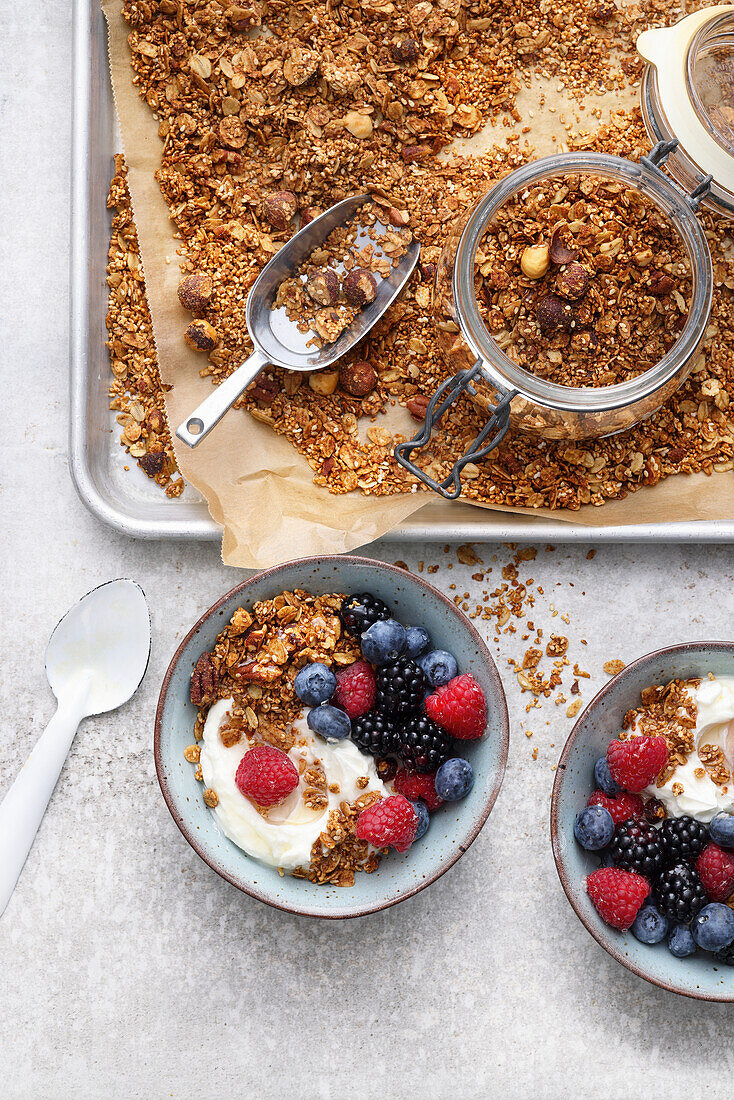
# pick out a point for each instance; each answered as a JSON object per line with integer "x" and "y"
{"x": 452, "y": 829}
{"x": 698, "y": 976}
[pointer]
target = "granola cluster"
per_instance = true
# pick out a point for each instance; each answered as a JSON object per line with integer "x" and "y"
{"x": 583, "y": 281}
{"x": 343, "y": 274}
{"x": 254, "y": 661}
{"x": 136, "y": 390}
{"x": 257, "y": 99}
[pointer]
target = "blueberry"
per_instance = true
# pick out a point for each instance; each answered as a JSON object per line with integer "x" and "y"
{"x": 383, "y": 642}
{"x": 593, "y": 828}
{"x": 329, "y": 722}
{"x": 439, "y": 667}
{"x": 650, "y": 926}
{"x": 721, "y": 830}
{"x": 417, "y": 640}
{"x": 424, "y": 819}
{"x": 454, "y": 779}
{"x": 604, "y": 780}
{"x": 680, "y": 941}
{"x": 315, "y": 684}
{"x": 713, "y": 926}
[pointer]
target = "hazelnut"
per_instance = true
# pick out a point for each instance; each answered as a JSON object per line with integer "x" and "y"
{"x": 411, "y": 153}
{"x": 201, "y": 336}
{"x": 552, "y": 313}
{"x": 360, "y": 287}
{"x": 573, "y": 281}
{"x": 660, "y": 285}
{"x": 418, "y": 406}
{"x": 358, "y": 378}
{"x": 308, "y": 214}
{"x": 535, "y": 261}
{"x": 323, "y": 286}
{"x": 324, "y": 382}
{"x": 195, "y": 291}
{"x": 155, "y": 421}
{"x": 152, "y": 462}
{"x": 360, "y": 126}
{"x": 398, "y": 218}
{"x": 559, "y": 251}
{"x": 405, "y": 51}
{"x": 280, "y": 208}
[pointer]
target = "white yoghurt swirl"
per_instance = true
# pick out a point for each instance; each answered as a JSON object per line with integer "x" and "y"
{"x": 701, "y": 797}
{"x": 285, "y": 838}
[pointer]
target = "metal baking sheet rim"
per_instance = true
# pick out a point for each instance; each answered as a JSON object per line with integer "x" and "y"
{"x": 193, "y": 521}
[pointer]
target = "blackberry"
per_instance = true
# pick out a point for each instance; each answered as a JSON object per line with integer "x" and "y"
{"x": 636, "y": 846}
{"x": 375, "y": 733}
{"x": 680, "y": 893}
{"x": 683, "y": 839}
{"x": 423, "y": 745}
{"x": 725, "y": 955}
{"x": 358, "y": 612}
{"x": 400, "y": 687}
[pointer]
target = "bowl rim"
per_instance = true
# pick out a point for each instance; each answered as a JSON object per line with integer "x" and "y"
{"x": 611, "y": 948}
{"x": 461, "y": 847}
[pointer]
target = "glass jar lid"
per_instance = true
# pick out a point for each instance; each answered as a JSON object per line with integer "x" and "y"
{"x": 688, "y": 96}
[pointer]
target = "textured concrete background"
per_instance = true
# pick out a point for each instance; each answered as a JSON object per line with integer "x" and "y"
{"x": 129, "y": 969}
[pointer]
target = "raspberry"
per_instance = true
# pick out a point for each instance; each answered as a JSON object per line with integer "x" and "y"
{"x": 617, "y": 895}
{"x": 390, "y": 822}
{"x": 636, "y": 762}
{"x": 459, "y": 707}
{"x": 715, "y": 868}
{"x": 355, "y": 689}
{"x": 266, "y": 775}
{"x": 622, "y": 808}
{"x": 415, "y": 786}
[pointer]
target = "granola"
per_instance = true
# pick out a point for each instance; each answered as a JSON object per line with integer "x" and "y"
{"x": 582, "y": 281}
{"x": 244, "y": 689}
{"x": 337, "y": 99}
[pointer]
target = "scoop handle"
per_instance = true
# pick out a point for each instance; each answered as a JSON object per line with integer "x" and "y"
{"x": 22, "y": 809}
{"x": 208, "y": 414}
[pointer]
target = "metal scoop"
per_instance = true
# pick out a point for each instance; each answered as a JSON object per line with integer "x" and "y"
{"x": 277, "y": 340}
{"x": 95, "y": 660}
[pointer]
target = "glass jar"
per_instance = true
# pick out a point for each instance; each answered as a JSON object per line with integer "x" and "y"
{"x": 687, "y": 95}
{"x": 499, "y": 385}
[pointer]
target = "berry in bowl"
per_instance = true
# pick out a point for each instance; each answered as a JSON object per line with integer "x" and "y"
{"x": 346, "y": 730}
{"x": 642, "y": 818}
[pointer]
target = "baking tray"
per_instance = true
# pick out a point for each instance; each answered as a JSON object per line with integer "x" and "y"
{"x": 125, "y": 499}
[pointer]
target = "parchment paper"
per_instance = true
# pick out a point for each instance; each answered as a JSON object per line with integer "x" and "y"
{"x": 256, "y": 484}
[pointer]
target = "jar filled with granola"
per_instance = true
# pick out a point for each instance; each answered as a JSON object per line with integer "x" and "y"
{"x": 571, "y": 301}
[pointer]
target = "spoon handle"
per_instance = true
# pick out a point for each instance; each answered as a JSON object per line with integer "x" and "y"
{"x": 22, "y": 809}
{"x": 208, "y": 414}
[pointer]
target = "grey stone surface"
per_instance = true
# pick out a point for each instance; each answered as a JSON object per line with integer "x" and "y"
{"x": 129, "y": 969}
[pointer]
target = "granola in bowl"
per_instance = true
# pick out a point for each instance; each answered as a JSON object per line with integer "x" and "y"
{"x": 327, "y": 732}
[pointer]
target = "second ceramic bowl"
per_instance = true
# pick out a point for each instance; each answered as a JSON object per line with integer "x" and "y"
{"x": 699, "y": 976}
{"x": 452, "y": 829}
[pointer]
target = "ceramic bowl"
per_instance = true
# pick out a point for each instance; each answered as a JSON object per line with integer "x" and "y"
{"x": 452, "y": 829}
{"x": 698, "y": 976}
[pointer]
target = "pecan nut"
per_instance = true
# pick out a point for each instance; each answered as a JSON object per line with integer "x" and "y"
{"x": 250, "y": 672}
{"x": 417, "y": 406}
{"x": 204, "y": 681}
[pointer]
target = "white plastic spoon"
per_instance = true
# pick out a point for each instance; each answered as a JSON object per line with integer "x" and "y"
{"x": 95, "y": 660}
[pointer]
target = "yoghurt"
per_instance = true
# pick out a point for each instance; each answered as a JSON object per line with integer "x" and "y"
{"x": 701, "y": 797}
{"x": 285, "y": 838}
